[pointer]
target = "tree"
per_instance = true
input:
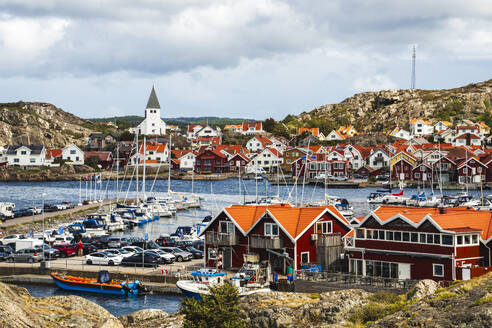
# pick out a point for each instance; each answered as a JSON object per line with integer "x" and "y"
{"x": 93, "y": 162}
{"x": 269, "y": 124}
{"x": 220, "y": 309}
{"x": 127, "y": 136}
{"x": 281, "y": 130}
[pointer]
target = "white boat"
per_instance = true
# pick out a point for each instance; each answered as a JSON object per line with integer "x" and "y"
{"x": 203, "y": 279}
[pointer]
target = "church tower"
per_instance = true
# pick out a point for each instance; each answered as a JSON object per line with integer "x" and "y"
{"x": 152, "y": 124}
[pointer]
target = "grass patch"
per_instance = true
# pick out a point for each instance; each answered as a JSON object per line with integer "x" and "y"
{"x": 444, "y": 295}
{"x": 487, "y": 299}
{"x": 381, "y": 305}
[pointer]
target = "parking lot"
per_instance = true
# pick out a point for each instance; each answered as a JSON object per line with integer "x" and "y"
{"x": 78, "y": 263}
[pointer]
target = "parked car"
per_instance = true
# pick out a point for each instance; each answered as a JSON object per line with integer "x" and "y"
{"x": 120, "y": 252}
{"x": 26, "y": 255}
{"x": 133, "y": 249}
{"x": 35, "y": 210}
{"x": 339, "y": 178}
{"x": 88, "y": 248}
{"x": 149, "y": 244}
{"x": 11, "y": 239}
{"x": 49, "y": 208}
{"x": 5, "y": 251}
{"x": 100, "y": 242}
{"x": 180, "y": 254}
{"x": 49, "y": 252}
{"x": 118, "y": 242}
{"x": 22, "y": 212}
{"x": 165, "y": 241}
{"x": 62, "y": 240}
{"x": 103, "y": 258}
{"x": 60, "y": 207}
{"x": 198, "y": 244}
{"x": 168, "y": 258}
{"x": 197, "y": 254}
{"x": 66, "y": 250}
{"x": 145, "y": 259}
{"x": 183, "y": 243}
{"x": 322, "y": 176}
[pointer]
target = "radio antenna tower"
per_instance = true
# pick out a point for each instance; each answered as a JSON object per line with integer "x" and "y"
{"x": 412, "y": 86}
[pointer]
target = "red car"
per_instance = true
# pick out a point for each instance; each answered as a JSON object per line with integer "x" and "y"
{"x": 66, "y": 250}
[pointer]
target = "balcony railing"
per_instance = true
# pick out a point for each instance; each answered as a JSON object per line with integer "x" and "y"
{"x": 220, "y": 239}
{"x": 331, "y": 240}
{"x": 257, "y": 241}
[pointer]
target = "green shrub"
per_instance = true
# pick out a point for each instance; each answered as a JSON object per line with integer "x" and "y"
{"x": 220, "y": 309}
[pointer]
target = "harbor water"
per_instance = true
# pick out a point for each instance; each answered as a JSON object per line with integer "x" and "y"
{"x": 115, "y": 305}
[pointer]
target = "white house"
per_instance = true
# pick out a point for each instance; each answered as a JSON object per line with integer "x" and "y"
{"x": 446, "y": 136}
{"x": 400, "y": 133}
{"x": 3, "y": 150}
{"x": 30, "y": 155}
{"x": 73, "y": 155}
{"x": 155, "y": 155}
{"x": 251, "y": 128}
{"x": 442, "y": 125}
{"x": 258, "y": 143}
{"x": 467, "y": 139}
{"x": 153, "y": 123}
{"x": 269, "y": 159}
{"x": 378, "y": 159}
{"x": 187, "y": 160}
{"x": 421, "y": 127}
{"x": 334, "y": 135}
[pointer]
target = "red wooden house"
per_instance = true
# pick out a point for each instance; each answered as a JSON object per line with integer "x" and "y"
{"x": 422, "y": 172}
{"x": 445, "y": 170}
{"x": 317, "y": 165}
{"x": 421, "y": 243}
{"x": 279, "y": 234}
{"x": 211, "y": 161}
{"x": 471, "y": 170}
{"x": 402, "y": 170}
{"x": 236, "y": 161}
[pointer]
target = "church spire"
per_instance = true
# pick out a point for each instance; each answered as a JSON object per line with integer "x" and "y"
{"x": 153, "y": 102}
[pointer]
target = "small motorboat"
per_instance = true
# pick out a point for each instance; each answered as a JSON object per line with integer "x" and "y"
{"x": 103, "y": 284}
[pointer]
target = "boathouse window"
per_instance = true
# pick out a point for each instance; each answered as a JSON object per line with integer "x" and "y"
{"x": 397, "y": 235}
{"x": 381, "y": 234}
{"x": 212, "y": 253}
{"x": 369, "y": 234}
{"x": 414, "y": 237}
{"x": 324, "y": 227}
{"x": 438, "y": 270}
{"x": 226, "y": 227}
{"x": 447, "y": 240}
{"x": 459, "y": 240}
{"x": 389, "y": 235}
{"x": 305, "y": 257}
{"x": 429, "y": 238}
{"x": 467, "y": 240}
{"x": 417, "y": 175}
{"x": 271, "y": 229}
{"x": 422, "y": 238}
{"x": 406, "y": 236}
{"x": 437, "y": 239}
{"x": 474, "y": 239}
{"x": 359, "y": 233}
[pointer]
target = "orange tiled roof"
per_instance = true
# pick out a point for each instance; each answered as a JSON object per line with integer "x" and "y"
{"x": 158, "y": 148}
{"x": 246, "y": 216}
{"x": 454, "y": 218}
{"x": 296, "y": 219}
{"x": 53, "y": 153}
{"x": 313, "y": 131}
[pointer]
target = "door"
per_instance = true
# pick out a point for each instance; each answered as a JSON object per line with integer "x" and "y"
{"x": 227, "y": 258}
{"x": 403, "y": 271}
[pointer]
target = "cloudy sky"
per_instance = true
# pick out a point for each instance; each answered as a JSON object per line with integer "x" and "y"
{"x": 254, "y": 58}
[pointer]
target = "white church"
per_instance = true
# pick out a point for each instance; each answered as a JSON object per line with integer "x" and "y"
{"x": 152, "y": 124}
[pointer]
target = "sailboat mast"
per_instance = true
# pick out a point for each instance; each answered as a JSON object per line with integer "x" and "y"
{"x": 169, "y": 167}
{"x": 117, "y": 170}
{"x": 440, "y": 170}
{"x": 144, "y": 166}
{"x": 138, "y": 162}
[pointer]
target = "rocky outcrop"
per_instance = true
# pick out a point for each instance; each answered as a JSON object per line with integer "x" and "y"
{"x": 63, "y": 173}
{"x": 285, "y": 310}
{"x": 422, "y": 289}
{"x": 377, "y": 111}
{"x": 152, "y": 318}
{"x": 41, "y": 123}
{"x": 467, "y": 304}
{"x": 19, "y": 310}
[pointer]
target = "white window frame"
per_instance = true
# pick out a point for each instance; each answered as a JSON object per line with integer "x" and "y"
{"x": 229, "y": 224}
{"x": 434, "y": 265}
{"x": 324, "y": 231}
{"x": 271, "y": 225}
{"x": 303, "y": 253}
{"x": 210, "y": 257}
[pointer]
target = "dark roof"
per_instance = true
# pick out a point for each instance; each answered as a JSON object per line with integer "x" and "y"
{"x": 153, "y": 102}
{"x": 35, "y": 149}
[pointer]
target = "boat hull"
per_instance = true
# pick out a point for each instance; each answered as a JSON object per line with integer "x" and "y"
{"x": 93, "y": 287}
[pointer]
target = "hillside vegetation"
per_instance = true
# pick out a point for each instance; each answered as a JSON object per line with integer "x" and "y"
{"x": 41, "y": 123}
{"x": 381, "y": 110}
